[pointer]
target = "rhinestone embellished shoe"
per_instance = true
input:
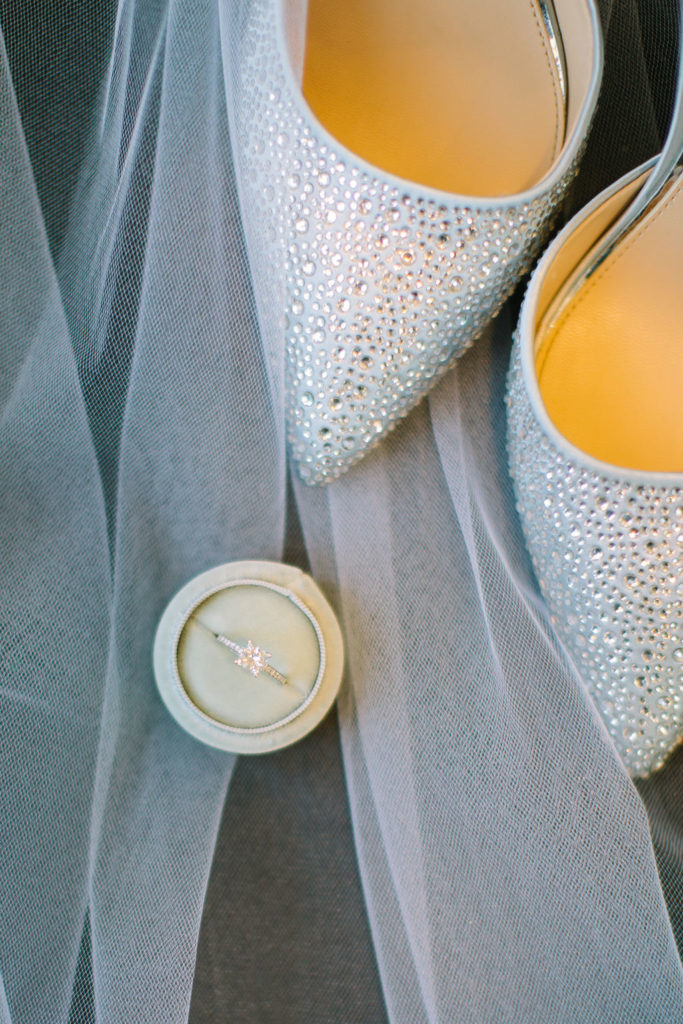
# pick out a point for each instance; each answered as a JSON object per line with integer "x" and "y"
{"x": 400, "y": 168}
{"x": 595, "y": 438}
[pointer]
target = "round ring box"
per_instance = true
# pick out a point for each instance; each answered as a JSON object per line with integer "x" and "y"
{"x": 248, "y": 656}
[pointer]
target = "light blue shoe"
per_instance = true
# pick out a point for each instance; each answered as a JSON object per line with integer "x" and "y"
{"x": 380, "y": 280}
{"x": 595, "y": 440}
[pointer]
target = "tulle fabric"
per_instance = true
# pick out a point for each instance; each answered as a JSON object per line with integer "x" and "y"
{"x": 506, "y": 859}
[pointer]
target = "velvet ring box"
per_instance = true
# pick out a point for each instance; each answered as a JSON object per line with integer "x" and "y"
{"x": 248, "y": 656}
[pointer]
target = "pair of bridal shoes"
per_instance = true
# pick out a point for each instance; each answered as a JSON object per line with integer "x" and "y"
{"x": 402, "y": 168}
{"x": 595, "y": 438}
{"x": 401, "y": 165}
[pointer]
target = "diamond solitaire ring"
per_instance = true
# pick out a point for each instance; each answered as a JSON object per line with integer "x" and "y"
{"x": 251, "y": 658}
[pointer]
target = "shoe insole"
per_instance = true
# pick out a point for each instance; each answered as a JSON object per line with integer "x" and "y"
{"x": 459, "y": 95}
{"x": 610, "y": 370}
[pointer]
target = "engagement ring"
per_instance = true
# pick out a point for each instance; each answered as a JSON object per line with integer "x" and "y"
{"x": 251, "y": 658}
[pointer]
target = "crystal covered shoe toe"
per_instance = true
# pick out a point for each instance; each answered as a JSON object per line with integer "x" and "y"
{"x": 383, "y": 258}
{"x": 595, "y": 439}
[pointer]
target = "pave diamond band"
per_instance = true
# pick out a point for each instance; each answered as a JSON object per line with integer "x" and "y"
{"x": 250, "y": 657}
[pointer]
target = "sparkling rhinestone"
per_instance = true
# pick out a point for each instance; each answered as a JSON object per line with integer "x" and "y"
{"x": 375, "y": 260}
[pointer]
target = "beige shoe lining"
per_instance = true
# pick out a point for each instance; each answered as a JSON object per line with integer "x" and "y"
{"x": 610, "y": 369}
{"x": 459, "y": 95}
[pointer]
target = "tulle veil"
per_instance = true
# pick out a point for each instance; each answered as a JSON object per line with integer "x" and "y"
{"x": 510, "y": 869}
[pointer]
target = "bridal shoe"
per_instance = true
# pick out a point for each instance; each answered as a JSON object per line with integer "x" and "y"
{"x": 595, "y": 439}
{"x": 400, "y": 167}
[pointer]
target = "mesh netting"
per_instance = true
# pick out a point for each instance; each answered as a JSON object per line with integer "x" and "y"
{"x": 506, "y": 860}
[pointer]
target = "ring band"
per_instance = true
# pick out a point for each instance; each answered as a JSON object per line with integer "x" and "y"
{"x": 251, "y": 658}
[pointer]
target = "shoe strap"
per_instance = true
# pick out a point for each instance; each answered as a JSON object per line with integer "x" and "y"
{"x": 659, "y": 177}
